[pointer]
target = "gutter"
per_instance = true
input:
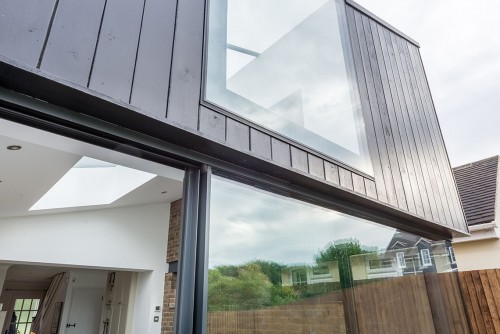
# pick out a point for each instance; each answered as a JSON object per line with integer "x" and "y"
{"x": 486, "y": 231}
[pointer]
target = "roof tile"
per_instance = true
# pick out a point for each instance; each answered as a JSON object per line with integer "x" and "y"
{"x": 477, "y": 185}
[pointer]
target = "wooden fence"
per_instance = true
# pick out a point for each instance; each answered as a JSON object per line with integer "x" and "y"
{"x": 481, "y": 295}
{"x": 320, "y": 315}
{"x": 430, "y": 304}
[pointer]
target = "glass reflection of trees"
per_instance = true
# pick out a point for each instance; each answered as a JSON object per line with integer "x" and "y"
{"x": 259, "y": 283}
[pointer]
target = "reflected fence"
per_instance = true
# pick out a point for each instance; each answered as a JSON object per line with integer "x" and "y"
{"x": 425, "y": 303}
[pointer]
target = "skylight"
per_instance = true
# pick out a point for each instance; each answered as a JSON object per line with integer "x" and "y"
{"x": 92, "y": 182}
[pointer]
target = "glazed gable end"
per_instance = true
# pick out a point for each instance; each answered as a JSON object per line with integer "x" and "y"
{"x": 140, "y": 64}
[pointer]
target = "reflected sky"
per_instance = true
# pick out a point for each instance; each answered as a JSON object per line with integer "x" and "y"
{"x": 249, "y": 224}
{"x": 306, "y": 58}
{"x": 284, "y": 68}
{"x": 258, "y": 24}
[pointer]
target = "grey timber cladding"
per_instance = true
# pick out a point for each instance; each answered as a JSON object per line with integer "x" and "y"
{"x": 411, "y": 166}
{"x": 120, "y": 48}
{"x": 23, "y": 28}
{"x": 412, "y": 169}
{"x": 149, "y": 54}
{"x": 477, "y": 184}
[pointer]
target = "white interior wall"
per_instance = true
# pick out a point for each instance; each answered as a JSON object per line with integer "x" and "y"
{"x": 130, "y": 238}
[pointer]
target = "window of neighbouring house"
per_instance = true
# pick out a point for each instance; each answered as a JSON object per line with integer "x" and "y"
{"x": 299, "y": 276}
{"x": 425, "y": 257}
{"x": 400, "y": 258}
{"x": 380, "y": 264}
{"x": 287, "y": 65}
{"x": 451, "y": 254}
{"x": 320, "y": 270}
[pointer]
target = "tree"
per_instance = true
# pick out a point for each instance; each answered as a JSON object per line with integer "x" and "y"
{"x": 340, "y": 251}
{"x": 271, "y": 269}
{"x": 253, "y": 285}
{"x": 249, "y": 289}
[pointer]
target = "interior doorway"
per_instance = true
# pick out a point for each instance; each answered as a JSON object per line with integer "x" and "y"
{"x": 85, "y": 311}
{"x": 47, "y": 299}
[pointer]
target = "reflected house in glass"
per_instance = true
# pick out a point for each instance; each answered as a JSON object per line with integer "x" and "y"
{"x": 406, "y": 255}
{"x": 291, "y": 151}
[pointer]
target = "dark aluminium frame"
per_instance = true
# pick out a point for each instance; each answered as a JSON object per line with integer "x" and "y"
{"x": 191, "y": 299}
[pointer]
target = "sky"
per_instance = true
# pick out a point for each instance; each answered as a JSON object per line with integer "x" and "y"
{"x": 460, "y": 47}
{"x": 245, "y": 221}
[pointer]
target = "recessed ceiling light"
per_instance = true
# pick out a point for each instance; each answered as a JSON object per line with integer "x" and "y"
{"x": 14, "y": 147}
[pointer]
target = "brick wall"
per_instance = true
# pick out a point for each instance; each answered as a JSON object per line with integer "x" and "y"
{"x": 174, "y": 232}
{"x": 167, "y": 321}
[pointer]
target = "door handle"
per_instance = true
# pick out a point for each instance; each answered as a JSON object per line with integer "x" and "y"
{"x": 70, "y": 325}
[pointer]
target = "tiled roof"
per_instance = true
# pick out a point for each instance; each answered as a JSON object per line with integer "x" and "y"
{"x": 477, "y": 186}
{"x": 401, "y": 240}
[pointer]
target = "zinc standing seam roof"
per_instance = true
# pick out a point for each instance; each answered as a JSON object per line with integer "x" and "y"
{"x": 477, "y": 186}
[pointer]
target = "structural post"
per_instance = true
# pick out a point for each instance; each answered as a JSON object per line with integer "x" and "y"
{"x": 187, "y": 253}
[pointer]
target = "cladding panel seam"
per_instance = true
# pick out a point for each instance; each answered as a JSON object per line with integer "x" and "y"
{"x": 49, "y": 28}
{"x": 96, "y": 43}
{"x": 137, "y": 53}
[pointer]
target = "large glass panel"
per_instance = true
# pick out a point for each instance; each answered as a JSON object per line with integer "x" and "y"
{"x": 286, "y": 65}
{"x": 278, "y": 264}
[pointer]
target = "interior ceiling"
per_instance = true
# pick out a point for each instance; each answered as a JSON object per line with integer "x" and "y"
{"x": 32, "y": 274}
{"x": 27, "y": 174}
{"x": 25, "y": 273}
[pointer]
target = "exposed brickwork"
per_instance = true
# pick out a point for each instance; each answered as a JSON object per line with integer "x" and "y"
{"x": 167, "y": 322}
{"x": 174, "y": 232}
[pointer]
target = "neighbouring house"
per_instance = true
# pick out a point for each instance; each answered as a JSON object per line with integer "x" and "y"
{"x": 477, "y": 254}
{"x": 220, "y": 166}
{"x": 477, "y": 184}
{"x": 405, "y": 255}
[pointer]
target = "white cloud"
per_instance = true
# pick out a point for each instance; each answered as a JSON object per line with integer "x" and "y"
{"x": 249, "y": 224}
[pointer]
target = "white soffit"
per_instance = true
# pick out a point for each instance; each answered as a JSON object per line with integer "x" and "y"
{"x": 56, "y": 142}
